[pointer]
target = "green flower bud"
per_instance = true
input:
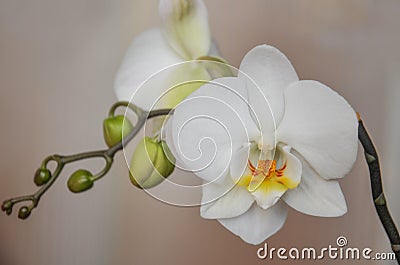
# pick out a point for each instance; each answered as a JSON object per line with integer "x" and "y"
{"x": 80, "y": 180}
{"x": 7, "y": 207}
{"x": 150, "y": 163}
{"x": 24, "y": 212}
{"x": 8, "y": 211}
{"x": 42, "y": 176}
{"x": 115, "y": 129}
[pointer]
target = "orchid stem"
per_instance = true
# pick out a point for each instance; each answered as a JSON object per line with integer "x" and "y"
{"x": 61, "y": 161}
{"x": 371, "y": 156}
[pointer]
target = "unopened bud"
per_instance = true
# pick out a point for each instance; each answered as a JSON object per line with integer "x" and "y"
{"x": 7, "y": 207}
{"x": 80, "y": 180}
{"x": 185, "y": 26}
{"x": 115, "y": 129}
{"x": 151, "y": 163}
{"x": 42, "y": 176}
{"x": 24, "y": 212}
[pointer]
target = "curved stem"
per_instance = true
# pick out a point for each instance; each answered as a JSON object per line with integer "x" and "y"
{"x": 142, "y": 117}
{"x": 118, "y": 104}
{"x": 107, "y": 155}
{"x": 371, "y": 156}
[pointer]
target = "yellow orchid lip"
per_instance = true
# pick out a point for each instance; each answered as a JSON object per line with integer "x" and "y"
{"x": 266, "y": 174}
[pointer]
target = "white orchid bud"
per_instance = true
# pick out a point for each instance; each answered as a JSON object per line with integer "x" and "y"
{"x": 185, "y": 26}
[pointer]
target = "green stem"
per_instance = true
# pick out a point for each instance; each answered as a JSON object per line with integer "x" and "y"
{"x": 107, "y": 155}
{"x": 378, "y": 196}
{"x": 126, "y": 104}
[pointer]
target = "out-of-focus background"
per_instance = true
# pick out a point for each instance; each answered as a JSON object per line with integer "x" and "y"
{"x": 57, "y": 63}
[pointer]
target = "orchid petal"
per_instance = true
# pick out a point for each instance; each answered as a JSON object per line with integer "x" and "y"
{"x": 185, "y": 24}
{"x": 271, "y": 72}
{"x": 315, "y": 195}
{"x": 292, "y": 173}
{"x": 238, "y": 164}
{"x": 178, "y": 81}
{"x": 321, "y": 126}
{"x": 256, "y": 225}
{"x": 225, "y": 200}
{"x": 210, "y": 125}
{"x": 148, "y": 54}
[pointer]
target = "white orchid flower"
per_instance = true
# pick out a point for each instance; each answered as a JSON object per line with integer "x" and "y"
{"x": 184, "y": 36}
{"x": 263, "y": 157}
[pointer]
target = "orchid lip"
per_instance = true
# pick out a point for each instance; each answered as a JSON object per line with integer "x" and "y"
{"x": 266, "y": 169}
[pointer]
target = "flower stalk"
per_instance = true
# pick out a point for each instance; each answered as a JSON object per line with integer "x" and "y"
{"x": 378, "y": 196}
{"x": 61, "y": 161}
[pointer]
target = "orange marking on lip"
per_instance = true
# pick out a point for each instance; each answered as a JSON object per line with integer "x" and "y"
{"x": 262, "y": 166}
{"x": 266, "y": 174}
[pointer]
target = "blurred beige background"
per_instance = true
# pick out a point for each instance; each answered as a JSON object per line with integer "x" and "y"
{"x": 57, "y": 63}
